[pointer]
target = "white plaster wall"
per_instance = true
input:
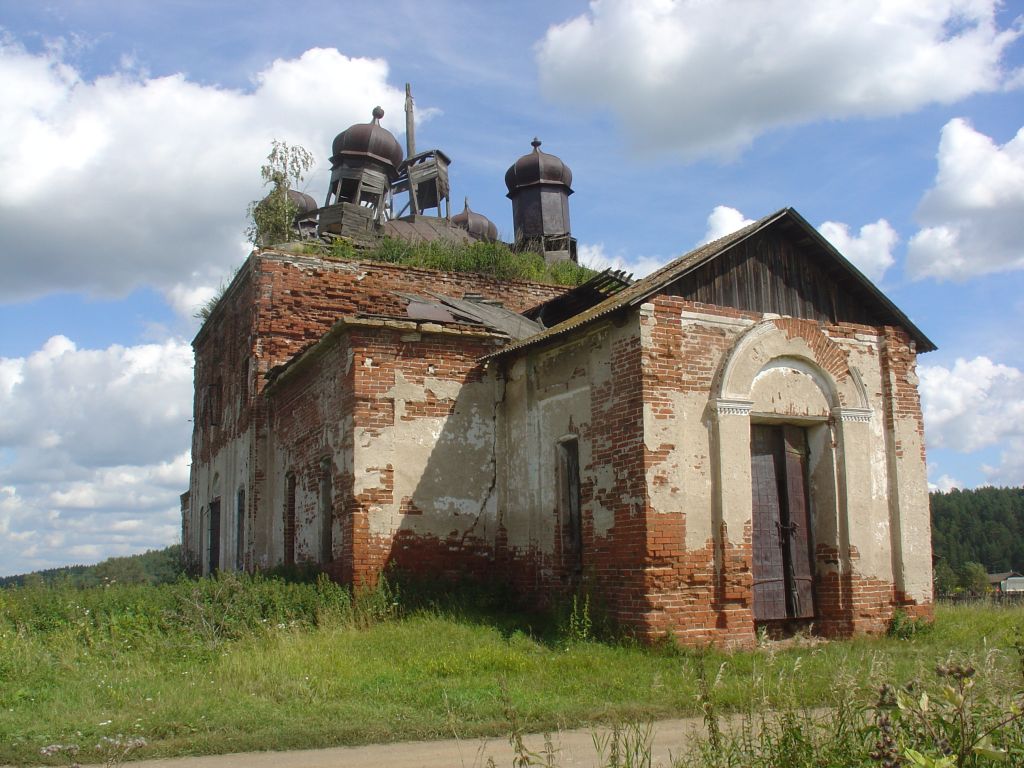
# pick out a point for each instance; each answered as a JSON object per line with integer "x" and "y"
{"x": 445, "y": 465}
{"x": 230, "y": 467}
{"x": 549, "y": 395}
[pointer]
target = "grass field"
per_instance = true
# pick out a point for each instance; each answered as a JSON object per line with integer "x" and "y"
{"x": 251, "y": 664}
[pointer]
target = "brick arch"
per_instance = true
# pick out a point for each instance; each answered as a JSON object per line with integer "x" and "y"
{"x": 798, "y": 340}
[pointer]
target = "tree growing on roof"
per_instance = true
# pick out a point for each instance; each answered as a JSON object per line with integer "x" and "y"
{"x": 272, "y": 219}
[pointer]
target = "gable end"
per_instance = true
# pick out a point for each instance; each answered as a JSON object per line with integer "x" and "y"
{"x": 776, "y": 271}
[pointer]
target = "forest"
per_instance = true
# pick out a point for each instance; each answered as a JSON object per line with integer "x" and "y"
{"x": 971, "y": 528}
{"x": 157, "y": 566}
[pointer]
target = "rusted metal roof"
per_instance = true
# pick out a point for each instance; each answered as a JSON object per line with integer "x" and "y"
{"x": 537, "y": 167}
{"x": 642, "y": 289}
{"x": 368, "y": 140}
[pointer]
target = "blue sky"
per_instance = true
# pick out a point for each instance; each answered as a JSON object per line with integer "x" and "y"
{"x": 134, "y": 131}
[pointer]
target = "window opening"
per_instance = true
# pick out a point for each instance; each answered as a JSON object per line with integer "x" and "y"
{"x": 214, "y": 553}
{"x": 240, "y": 530}
{"x": 289, "y": 519}
{"x": 326, "y": 511}
{"x": 572, "y": 524}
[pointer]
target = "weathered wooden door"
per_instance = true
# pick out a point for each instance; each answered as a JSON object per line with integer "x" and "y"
{"x": 783, "y": 575}
{"x": 214, "y": 535}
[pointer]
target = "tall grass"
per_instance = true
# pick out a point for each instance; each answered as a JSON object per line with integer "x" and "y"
{"x": 246, "y": 663}
{"x": 491, "y": 259}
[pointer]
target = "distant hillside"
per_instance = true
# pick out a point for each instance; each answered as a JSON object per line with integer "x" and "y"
{"x": 157, "y": 566}
{"x": 975, "y": 530}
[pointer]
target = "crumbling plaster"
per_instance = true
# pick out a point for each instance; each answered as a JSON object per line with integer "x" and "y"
{"x": 701, "y": 440}
{"x": 443, "y": 465}
{"x": 549, "y": 396}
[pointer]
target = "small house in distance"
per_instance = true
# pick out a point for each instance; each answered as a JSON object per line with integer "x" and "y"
{"x": 1007, "y": 583}
{"x": 732, "y": 442}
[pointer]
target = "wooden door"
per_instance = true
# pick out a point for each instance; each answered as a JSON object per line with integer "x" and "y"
{"x": 783, "y": 576}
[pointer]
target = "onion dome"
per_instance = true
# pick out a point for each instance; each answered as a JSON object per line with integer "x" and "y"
{"x": 478, "y": 225}
{"x": 304, "y": 204}
{"x": 370, "y": 141}
{"x": 537, "y": 168}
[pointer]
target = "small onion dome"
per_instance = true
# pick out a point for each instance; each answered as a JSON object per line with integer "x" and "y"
{"x": 304, "y": 204}
{"x": 537, "y": 168}
{"x": 368, "y": 140}
{"x": 478, "y": 225}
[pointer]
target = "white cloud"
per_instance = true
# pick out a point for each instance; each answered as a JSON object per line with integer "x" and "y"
{"x": 593, "y": 255}
{"x": 870, "y": 250}
{"x": 945, "y": 483}
{"x": 699, "y": 78}
{"x": 92, "y": 440}
{"x": 973, "y": 405}
{"x": 723, "y": 221}
{"x": 129, "y": 179}
{"x": 974, "y": 215}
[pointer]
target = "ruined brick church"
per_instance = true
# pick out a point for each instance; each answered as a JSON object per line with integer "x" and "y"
{"x": 733, "y": 441}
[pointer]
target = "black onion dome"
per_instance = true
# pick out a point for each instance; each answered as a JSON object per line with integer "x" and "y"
{"x": 304, "y": 204}
{"x": 537, "y": 168}
{"x": 475, "y": 223}
{"x": 368, "y": 140}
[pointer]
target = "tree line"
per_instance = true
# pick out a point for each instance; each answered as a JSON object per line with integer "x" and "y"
{"x": 156, "y": 566}
{"x": 976, "y": 532}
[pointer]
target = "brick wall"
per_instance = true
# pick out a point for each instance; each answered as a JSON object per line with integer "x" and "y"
{"x": 702, "y": 595}
{"x": 276, "y": 306}
{"x": 382, "y": 357}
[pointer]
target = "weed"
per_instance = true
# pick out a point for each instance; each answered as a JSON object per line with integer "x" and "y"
{"x": 578, "y": 625}
{"x": 626, "y": 745}
{"x": 905, "y": 627}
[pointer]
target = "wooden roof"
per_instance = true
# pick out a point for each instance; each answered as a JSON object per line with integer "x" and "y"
{"x": 787, "y": 222}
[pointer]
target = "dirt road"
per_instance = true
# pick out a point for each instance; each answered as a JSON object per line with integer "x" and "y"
{"x": 575, "y": 749}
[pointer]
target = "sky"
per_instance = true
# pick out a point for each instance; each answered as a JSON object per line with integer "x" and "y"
{"x": 133, "y": 132}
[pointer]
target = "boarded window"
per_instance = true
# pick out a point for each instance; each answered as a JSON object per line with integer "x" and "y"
{"x": 783, "y": 576}
{"x": 214, "y": 538}
{"x": 240, "y": 530}
{"x": 326, "y": 511}
{"x": 570, "y": 503}
{"x": 289, "y": 519}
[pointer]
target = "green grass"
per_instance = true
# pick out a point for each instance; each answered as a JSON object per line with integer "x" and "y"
{"x": 495, "y": 260}
{"x": 252, "y": 664}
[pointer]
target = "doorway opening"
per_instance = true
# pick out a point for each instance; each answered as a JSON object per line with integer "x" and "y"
{"x": 782, "y": 537}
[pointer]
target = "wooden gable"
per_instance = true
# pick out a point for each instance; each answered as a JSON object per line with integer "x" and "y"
{"x": 779, "y": 264}
{"x": 781, "y": 270}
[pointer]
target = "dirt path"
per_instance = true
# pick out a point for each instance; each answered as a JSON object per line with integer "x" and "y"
{"x": 575, "y": 750}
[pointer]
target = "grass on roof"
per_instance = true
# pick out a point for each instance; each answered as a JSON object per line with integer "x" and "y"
{"x": 491, "y": 259}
